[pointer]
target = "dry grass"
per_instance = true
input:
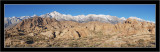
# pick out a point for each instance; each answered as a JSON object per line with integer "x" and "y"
{"x": 99, "y": 40}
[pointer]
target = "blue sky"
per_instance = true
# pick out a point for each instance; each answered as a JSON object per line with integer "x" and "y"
{"x": 146, "y": 12}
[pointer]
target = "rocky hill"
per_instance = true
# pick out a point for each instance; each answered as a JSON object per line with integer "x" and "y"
{"x": 49, "y": 32}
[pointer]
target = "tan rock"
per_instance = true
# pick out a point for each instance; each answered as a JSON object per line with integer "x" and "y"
{"x": 32, "y": 34}
{"x": 48, "y": 34}
{"x": 114, "y": 35}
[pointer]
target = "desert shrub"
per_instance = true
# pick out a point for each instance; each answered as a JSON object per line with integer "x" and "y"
{"x": 21, "y": 34}
{"x": 124, "y": 45}
{"x": 141, "y": 40}
{"x": 73, "y": 44}
{"x": 99, "y": 33}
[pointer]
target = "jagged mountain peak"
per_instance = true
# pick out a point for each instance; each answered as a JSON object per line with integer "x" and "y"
{"x": 34, "y": 15}
{"x": 123, "y": 18}
{"x": 54, "y": 13}
{"x": 79, "y": 18}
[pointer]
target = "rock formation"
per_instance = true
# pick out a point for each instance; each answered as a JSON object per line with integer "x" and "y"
{"x": 50, "y": 28}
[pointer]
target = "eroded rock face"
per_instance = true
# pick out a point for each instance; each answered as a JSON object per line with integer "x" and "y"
{"x": 47, "y": 34}
{"x": 66, "y": 28}
{"x": 72, "y": 33}
{"x": 50, "y": 28}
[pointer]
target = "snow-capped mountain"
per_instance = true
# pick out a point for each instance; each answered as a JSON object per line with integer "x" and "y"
{"x": 11, "y": 21}
{"x": 79, "y": 18}
{"x": 83, "y": 18}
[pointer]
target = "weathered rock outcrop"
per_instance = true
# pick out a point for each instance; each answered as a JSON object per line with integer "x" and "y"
{"x": 49, "y": 28}
{"x": 74, "y": 29}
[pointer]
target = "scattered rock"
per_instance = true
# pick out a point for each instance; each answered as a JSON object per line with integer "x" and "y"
{"x": 48, "y": 34}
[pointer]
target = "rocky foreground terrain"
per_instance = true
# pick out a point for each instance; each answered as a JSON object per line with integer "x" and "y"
{"x": 48, "y": 32}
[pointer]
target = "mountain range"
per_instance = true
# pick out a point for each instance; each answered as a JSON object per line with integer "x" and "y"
{"x": 49, "y": 32}
{"x": 12, "y": 21}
